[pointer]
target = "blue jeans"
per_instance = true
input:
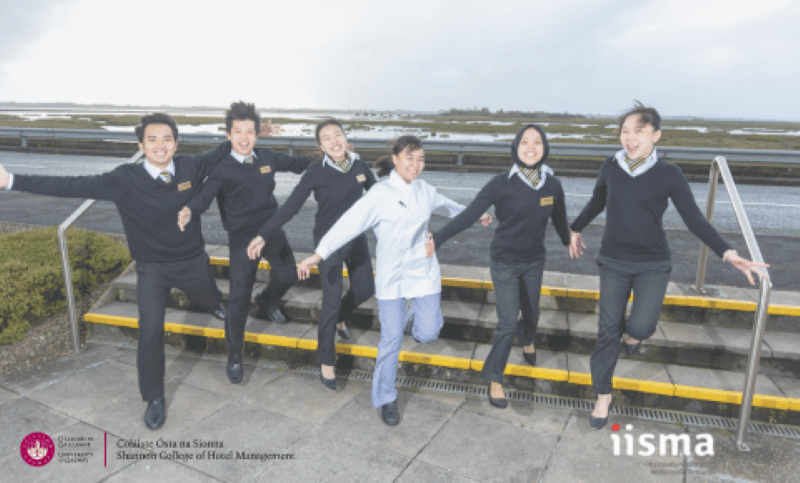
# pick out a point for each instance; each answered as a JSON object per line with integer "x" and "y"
{"x": 427, "y": 324}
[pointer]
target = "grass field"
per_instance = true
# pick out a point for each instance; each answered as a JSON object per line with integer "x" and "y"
{"x": 595, "y": 130}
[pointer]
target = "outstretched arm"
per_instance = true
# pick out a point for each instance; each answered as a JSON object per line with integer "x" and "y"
{"x": 474, "y": 212}
{"x": 202, "y": 200}
{"x": 559, "y": 217}
{"x": 595, "y": 206}
{"x": 107, "y": 186}
{"x": 209, "y": 159}
{"x": 285, "y": 213}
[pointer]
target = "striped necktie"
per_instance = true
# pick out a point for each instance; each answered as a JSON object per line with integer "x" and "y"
{"x": 634, "y": 163}
{"x": 532, "y": 175}
{"x": 166, "y": 176}
{"x": 248, "y": 160}
{"x": 344, "y": 164}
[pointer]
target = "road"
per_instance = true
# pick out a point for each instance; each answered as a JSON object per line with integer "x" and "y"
{"x": 773, "y": 214}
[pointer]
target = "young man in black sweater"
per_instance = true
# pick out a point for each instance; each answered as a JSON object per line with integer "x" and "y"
{"x": 337, "y": 183}
{"x": 147, "y": 195}
{"x": 245, "y": 180}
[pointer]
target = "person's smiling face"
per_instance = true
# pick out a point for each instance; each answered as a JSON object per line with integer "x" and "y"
{"x": 531, "y": 147}
{"x": 409, "y": 164}
{"x": 159, "y": 145}
{"x": 637, "y": 138}
{"x": 333, "y": 142}
{"x": 243, "y": 136}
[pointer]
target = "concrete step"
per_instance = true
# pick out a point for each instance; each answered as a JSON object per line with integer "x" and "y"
{"x": 642, "y": 383}
{"x": 720, "y": 306}
{"x": 709, "y": 346}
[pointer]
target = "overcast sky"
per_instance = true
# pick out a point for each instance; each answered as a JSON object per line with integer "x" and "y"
{"x": 726, "y": 58}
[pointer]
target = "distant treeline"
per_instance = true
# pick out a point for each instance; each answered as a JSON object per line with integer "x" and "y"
{"x": 485, "y": 112}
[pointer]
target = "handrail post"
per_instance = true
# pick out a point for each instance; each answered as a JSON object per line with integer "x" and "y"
{"x": 67, "y": 270}
{"x": 753, "y": 361}
{"x": 719, "y": 166}
{"x": 713, "y": 179}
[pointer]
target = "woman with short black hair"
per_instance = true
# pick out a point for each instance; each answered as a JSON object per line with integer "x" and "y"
{"x": 635, "y": 187}
{"x": 338, "y": 182}
{"x": 398, "y": 211}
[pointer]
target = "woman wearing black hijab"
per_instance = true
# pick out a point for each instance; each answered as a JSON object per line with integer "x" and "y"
{"x": 525, "y": 197}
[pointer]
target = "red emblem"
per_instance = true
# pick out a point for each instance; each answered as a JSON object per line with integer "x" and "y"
{"x": 37, "y": 449}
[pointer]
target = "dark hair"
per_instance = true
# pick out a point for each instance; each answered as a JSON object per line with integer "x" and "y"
{"x": 325, "y": 123}
{"x": 241, "y": 111}
{"x": 156, "y": 118}
{"x": 385, "y": 164}
{"x": 647, "y": 115}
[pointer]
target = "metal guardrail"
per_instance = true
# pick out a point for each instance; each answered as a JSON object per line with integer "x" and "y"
{"x": 720, "y": 166}
{"x": 67, "y": 270}
{"x": 455, "y": 147}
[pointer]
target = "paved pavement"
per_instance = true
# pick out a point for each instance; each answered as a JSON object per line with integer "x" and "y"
{"x": 773, "y": 213}
{"x": 92, "y": 400}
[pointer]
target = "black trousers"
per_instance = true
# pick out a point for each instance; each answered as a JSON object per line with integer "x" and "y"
{"x": 193, "y": 277}
{"x": 335, "y": 308}
{"x": 516, "y": 286}
{"x": 618, "y": 278}
{"x": 283, "y": 274}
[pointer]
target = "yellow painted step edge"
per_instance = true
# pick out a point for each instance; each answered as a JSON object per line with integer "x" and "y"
{"x": 685, "y": 300}
{"x": 689, "y": 392}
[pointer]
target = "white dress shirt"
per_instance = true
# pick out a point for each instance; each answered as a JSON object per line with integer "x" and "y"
{"x": 156, "y": 172}
{"x": 398, "y": 212}
{"x": 649, "y": 163}
{"x": 327, "y": 160}
{"x": 240, "y": 158}
{"x": 545, "y": 170}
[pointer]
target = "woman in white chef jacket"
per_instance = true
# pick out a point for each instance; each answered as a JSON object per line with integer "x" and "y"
{"x": 398, "y": 210}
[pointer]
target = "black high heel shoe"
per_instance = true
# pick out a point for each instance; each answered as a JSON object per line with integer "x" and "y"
{"x": 631, "y": 349}
{"x": 501, "y": 403}
{"x": 599, "y": 423}
{"x": 530, "y": 357}
{"x": 343, "y": 333}
{"x": 329, "y": 383}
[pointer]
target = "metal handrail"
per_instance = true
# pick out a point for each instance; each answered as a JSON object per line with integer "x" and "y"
{"x": 67, "y": 270}
{"x": 720, "y": 166}
{"x": 674, "y": 153}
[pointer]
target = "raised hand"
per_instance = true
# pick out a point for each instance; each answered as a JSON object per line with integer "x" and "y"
{"x": 304, "y": 269}
{"x": 747, "y": 267}
{"x": 184, "y": 217}
{"x": 430, "y": 246}
{"x": 576, "y": 246}
{"x": 3, "y": 177}
{"x": 268, "y": 129}
{"x": 486, "y": 219}
{"x": 255, "y": 247}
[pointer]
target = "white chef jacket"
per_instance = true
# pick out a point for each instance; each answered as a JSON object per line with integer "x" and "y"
{"x": 398, "y": 212}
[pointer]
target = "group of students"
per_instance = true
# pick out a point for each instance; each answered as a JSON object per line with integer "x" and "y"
{"x": 634, "y": 187}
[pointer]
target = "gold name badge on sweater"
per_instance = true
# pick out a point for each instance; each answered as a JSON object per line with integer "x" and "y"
{"x": 265, "y": 169}
{"x": 547, "y": 201}
{"x": 361, "y": 178}
{"x": 184, "y": 186}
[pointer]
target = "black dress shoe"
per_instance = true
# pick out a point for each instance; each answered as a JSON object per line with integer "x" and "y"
{"x": 271, "y": 310}
{"x": 343, "y": 333}
{"x": 530, "y": 357}
{"x": 499, "y": 402}
{"x": 631, "y": 349}
{"x": 156, "y": 413}
{"x": 235, "y": 368}
{"x": 389, "y": 413}
{"x": 329, "y": 383}
{"x": 220, "y": 312}
{"x": 599, "y": 423}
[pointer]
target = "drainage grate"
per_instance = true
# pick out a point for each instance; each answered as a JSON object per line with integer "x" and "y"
{"x": 648, "y": 414}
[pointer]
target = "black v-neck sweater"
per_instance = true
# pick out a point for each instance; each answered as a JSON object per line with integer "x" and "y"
{"x": 246, "y": 199}
{"x": 522, "y": 214}
{"x": 334, "y": 191}
{"x": 635, "y": 209}
{"x": 148, "y": 207}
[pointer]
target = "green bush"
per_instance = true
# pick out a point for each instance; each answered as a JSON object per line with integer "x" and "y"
{"x": 31, "y": 280}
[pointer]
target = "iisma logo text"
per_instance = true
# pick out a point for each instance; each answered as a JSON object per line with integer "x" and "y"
{"x": 674, "y": 444}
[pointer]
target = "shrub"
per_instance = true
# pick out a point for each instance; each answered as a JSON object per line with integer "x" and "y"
{"x": 31, "y": 280}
